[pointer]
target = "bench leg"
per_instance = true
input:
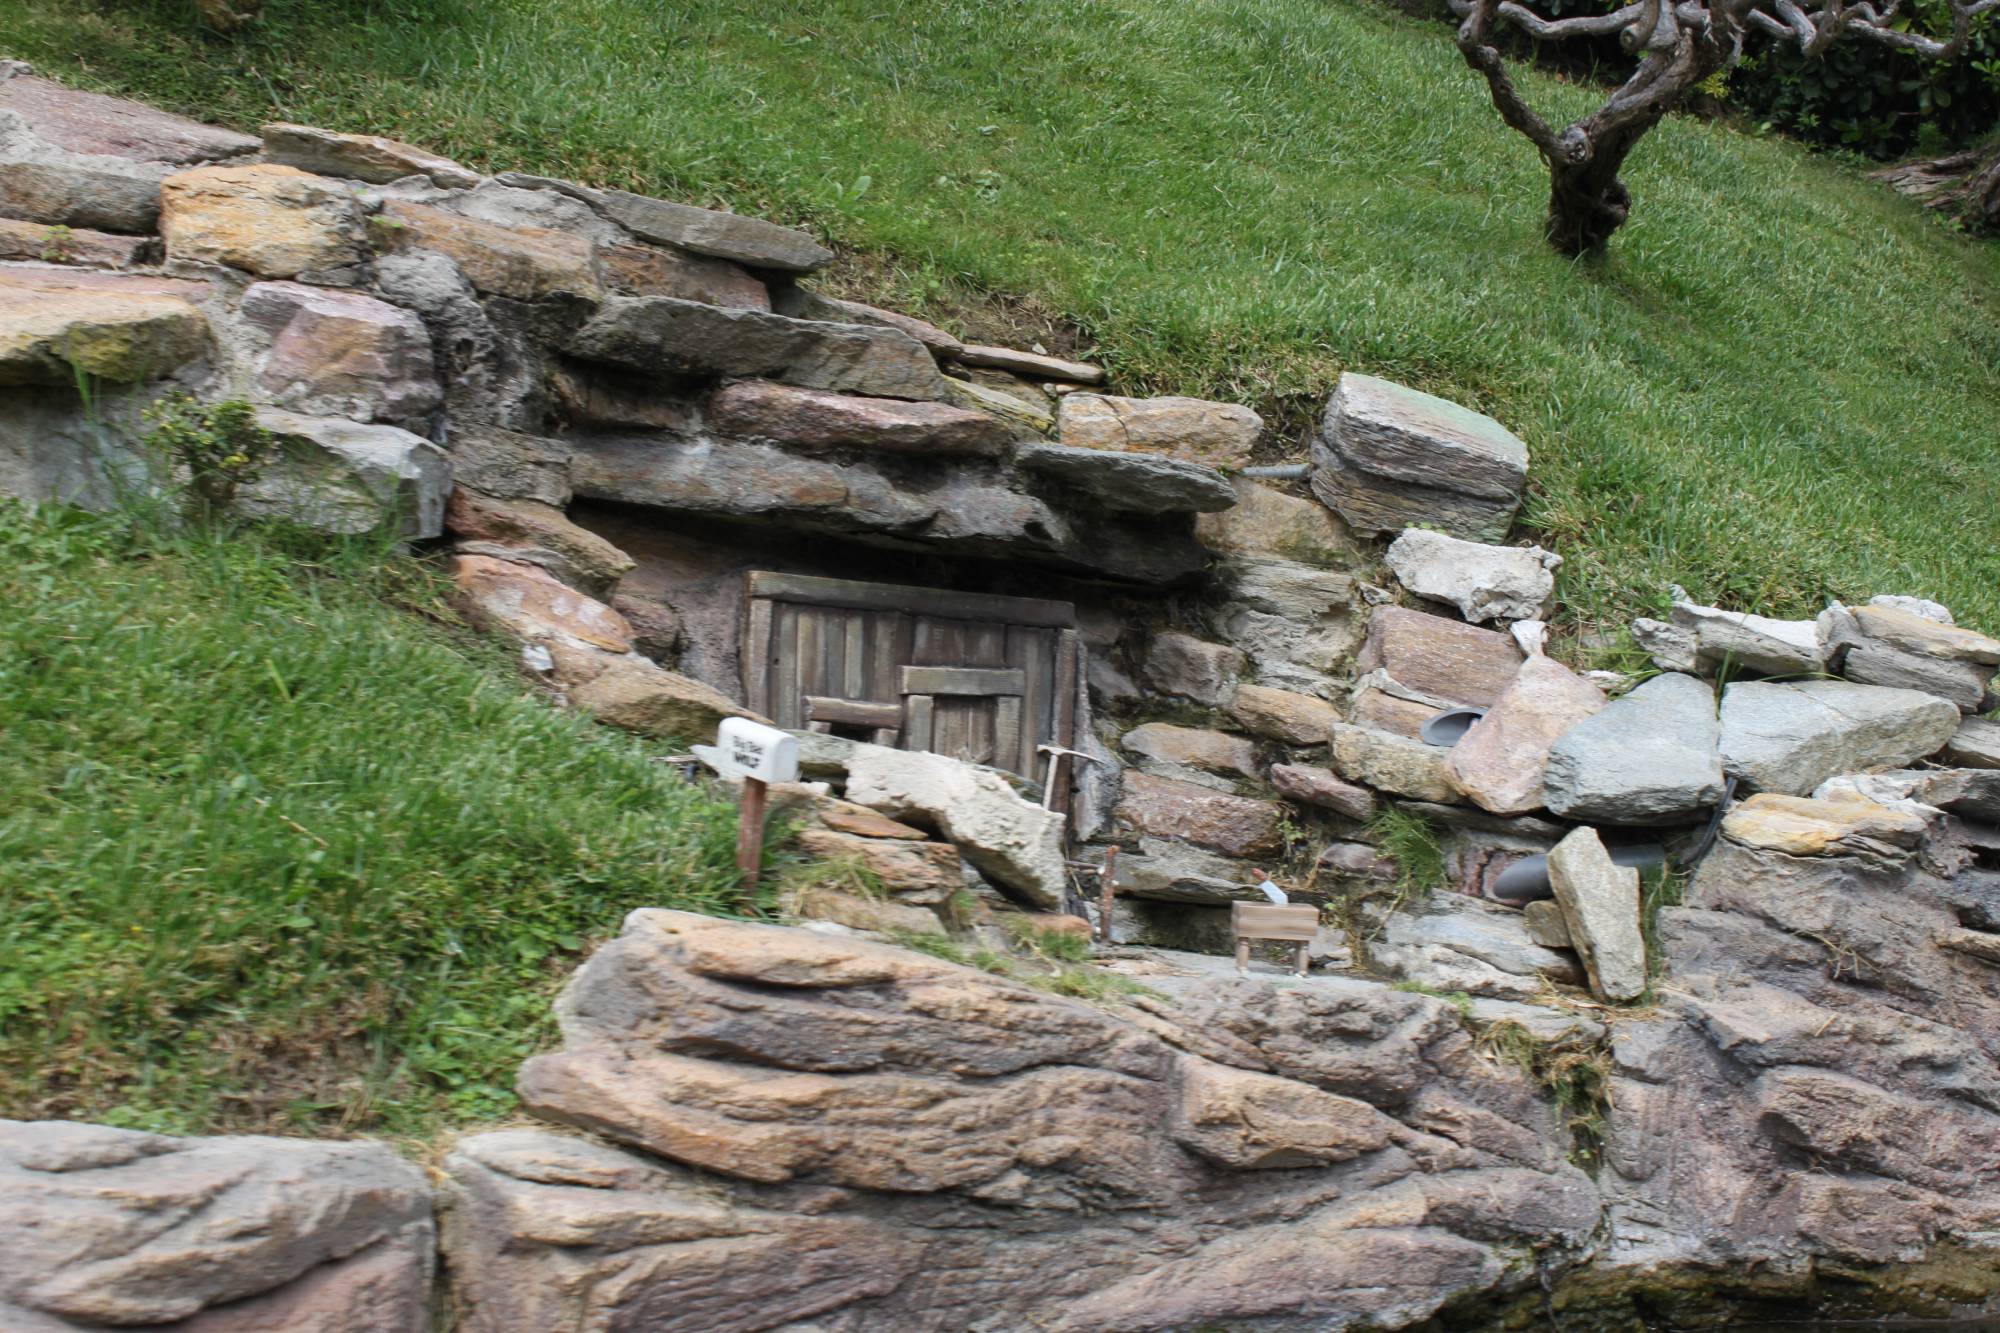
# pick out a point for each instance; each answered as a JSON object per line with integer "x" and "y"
{"x": 1242, "y": 957}
{"x": 1300, "y": 962}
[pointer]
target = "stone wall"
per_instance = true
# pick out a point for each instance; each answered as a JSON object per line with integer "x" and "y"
{"x": 604, "y": 409}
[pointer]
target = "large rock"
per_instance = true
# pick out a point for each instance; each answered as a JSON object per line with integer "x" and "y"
{"x": 345, "y": 477}
{"x": 1296, "y": 622}
{"x": 1193, "y": 747}
{"x": 1801, "y": 826}
{"x": 1789, "y": 738}
{"x": 1283, "y": 715}
{"x": 1166, "y": 870}
{"x": 1015, "y": 843}
{"x": 106, "y": 1228}
{"x": 98, "y": 125}
{"x": 815, "y": 419}
{"x": 1184, "y": 665}
{"x": 529, "y": 603}
{"x": 508, "y": 464}
{"x": 1600, "y": 905}
{"x": 1317, "y": 787}
{"x": 363, "y": 157}
{"x": 661, "y": 335}
{"x": 635, "y": 694}
{"x": 1135, "y": 482}
{"x": 923, "y": 873}
{"x": 1234, "y": 825}
{"x": 1741, "y": 640}
{"x": 273, "y": 221}
{"x": 1976, "y": 744}
{"x": 1890, "y": 645}
{"x": 1650, "y": 757}
{"x": 747, "y": 240}
{"x": 651, "y": 270}
{"x": 339, "y": 353}
{"x": 529, "y": 532}
{"x": 1392, "y": 763}
{"x": 1190, "y": 429}
{"x": 1483, "y": 582}
{"x": 49, "y": 337}
{"x": 1388, "y": 457}
{"x": 1441, "y": 658}
{"x": 1267, "y": 522}
{"x": 548, "y": 1232}
{"x": 1456, "y": 943}
{"x": 1499, "y": 762}
{"x": 920, "y": 1140}
{"x": 525, "y": 263}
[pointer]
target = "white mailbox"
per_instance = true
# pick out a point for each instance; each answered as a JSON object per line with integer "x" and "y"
{"x": 746, "y": 749}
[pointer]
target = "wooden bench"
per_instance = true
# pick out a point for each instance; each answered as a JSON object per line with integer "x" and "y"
{"x": 1295, "y": 923}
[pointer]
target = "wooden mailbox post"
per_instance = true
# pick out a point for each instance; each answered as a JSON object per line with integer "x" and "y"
{"x": 759, "y": 755}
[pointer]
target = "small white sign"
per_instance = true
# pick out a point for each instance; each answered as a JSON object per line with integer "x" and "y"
{"x": 746, "y": 749}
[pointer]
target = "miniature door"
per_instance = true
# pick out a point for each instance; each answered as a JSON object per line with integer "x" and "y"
{"x": 977, "y": 677}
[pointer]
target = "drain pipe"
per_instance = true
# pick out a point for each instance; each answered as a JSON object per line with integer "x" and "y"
{"x": 1281, "y": 472}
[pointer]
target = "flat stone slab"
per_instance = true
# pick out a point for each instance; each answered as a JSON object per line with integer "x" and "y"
{"x": 1193, "y": 429}
{"x": 1283, "y": 715}
{"x": 757, "y": 242}
{"x": 1442, "y": 658}
{"x": 1390, "y": 457}
{"x": 1976, "y": 744}
{"x": 1232, "y": 825}
{"x": 1802, "y": 826}
{"x": 1194, "y": 747}
{"x": 525, "y": 263}
{"x": 273, "y": 221}
{"x": 73, "y": 245}
{"x": 99, "y": 125}
{"x": 363, "y": 157}
{"x": 1392, "y": 763}
{"x": 1790, "y": 737}
{"x": 1131, "y": 482}
{"x": 1484, "y": 582}
{"x": 663, "y": 334}
{"x": 1651, "y": 757}
{"x": 40, "y": 182}
{"x": 1034, "y": 365}
{"x": 1778, "y": 647}
{"x": 816, "y": 419}
{"x": 47, "y": 337}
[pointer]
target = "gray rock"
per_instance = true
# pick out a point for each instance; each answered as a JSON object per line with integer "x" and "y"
{"x": 1972, "y": 793}
{"x": 1600, "y": 905}
{"x": 1916, "y": 606}
{"x": 509, "y": 465}
{"x": 337, "y": 353}
{"x": 1965, "y": 684}
{"x": 1650, "y": 757}
{"x": 1976, "y": 744}
{"x": 1777, "y": 647}
{"x": 1392, "y": 763}
{"x": 747, "y": 240}
{"x": 1015, "y": 843}
{"x": 363, "y": 157}
{"x": 345, "y": 477}
{"x": 815, "y": 419}
{"x": 1496, "y": 936}
{"x": 96, "y": 124}
{"x": 1388, "y": 457}
{"x": 800, "y": 303}
{"x": 491, "y": 369}
{"x": 1035, "y": 365}
{"x": 1140, "y": 483}
{"x": 40, "y": 182}
{"x": 1789, "y": 738}
{"x": 508, "y": 206}
{"x": 1166, "y": 870}
{"x": 1186, "y": 666}
{"x": 1193, "y": 430}
{"x": 1882, "y": 644}
{"x": 104, "y": 1228}
{"x": 1296, "y": 622}
{"x": 1484, "y": 582}
{"x": 1543, "y": 1023}
{"x": 1671, "y": 647}
{"x": 1546, "y": 924}
{"x": 664, "y": 335}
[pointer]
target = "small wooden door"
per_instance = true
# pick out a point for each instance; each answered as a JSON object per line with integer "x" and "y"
{"x": 982, "y": 678}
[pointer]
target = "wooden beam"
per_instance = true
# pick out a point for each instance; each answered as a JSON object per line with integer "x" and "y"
{"x": 979, "y": 682}
{"x": 853, "y": 712}
{"x": 809, "y": 590}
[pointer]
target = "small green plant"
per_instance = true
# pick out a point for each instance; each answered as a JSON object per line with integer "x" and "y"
{"x": 1662, "y": 886}
{"x": 1049, "y": 942}
{"x": 56, "y": 245}
{"x": 1084, "y": 982}
{"x": 220, "y": 444}
{"x": 937, "y": 946}
{"x": 1457, "y": 999}
{"x": 1411, "y": 842}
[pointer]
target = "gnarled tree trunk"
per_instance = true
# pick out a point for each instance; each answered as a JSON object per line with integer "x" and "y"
{"x": 1587, "y": 200}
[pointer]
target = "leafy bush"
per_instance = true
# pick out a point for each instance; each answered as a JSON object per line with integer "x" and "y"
{"x": 219, "y": 445}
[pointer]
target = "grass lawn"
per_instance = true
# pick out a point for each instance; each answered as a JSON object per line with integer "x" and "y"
{"x": 276, "y": 853}
{"x": 1783, "y": 382}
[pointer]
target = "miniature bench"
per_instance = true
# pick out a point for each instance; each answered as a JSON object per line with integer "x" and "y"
{"x": 1295, "y": 923}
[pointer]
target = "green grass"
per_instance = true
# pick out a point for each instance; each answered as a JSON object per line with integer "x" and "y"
{"x": 1783, "y": 383}
{"x": 278, "y": 853}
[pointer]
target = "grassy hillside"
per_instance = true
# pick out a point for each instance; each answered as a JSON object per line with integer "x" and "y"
{"x": 278, "y": 853}
{"x": 1783, "y": 383}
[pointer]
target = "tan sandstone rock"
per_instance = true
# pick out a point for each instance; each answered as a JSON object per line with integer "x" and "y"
{"x": 924, "y": 873}
{"x": 1392, "y": 763}
{"x": 529, "y": 532}
{"x": 1219, "y": 434}
{"x": 526, "y": 263}
{"x": 529, "y": 603}
{"x": 1802, "y": 826}
{"x": 1194, "y": 747}
{"x": 1283, "y": 715}
{"x": 273, "y": 221}
{"x": 48, "y": 337}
